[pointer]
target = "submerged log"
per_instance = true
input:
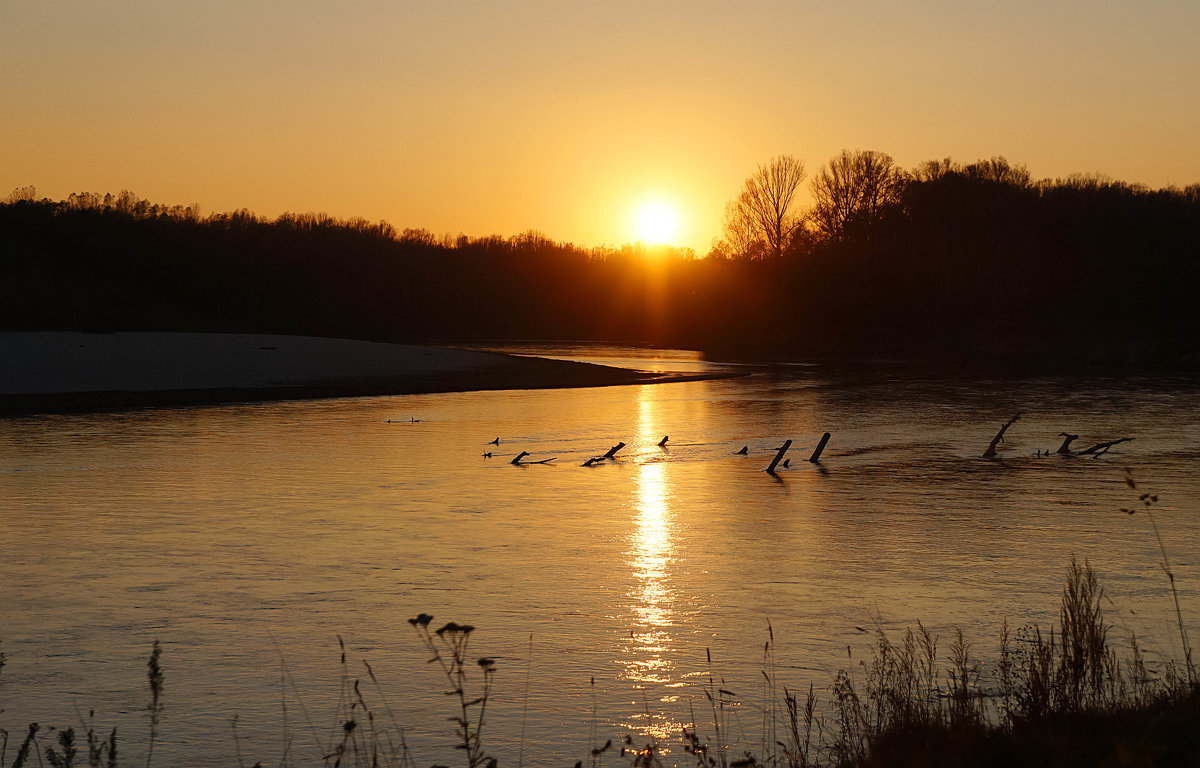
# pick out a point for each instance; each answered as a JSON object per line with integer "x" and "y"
{"x": 999, "y": 438}
{"x": 612, "y": 454}
{"x": 1099, "y": 449}
{"x": 779, "y": 456}
{"x": 816, "y": 454}
{"x": 517, "y": 461}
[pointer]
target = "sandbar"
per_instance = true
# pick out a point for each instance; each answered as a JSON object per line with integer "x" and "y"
{"x": 56, "y": 372}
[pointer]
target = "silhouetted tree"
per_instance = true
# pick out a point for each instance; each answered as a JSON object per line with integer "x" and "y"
{"x": 999, "y": 171}
{"x": 741, "y": 234}
{"x": 974, "y": 260}
{"x": 760, "y": 220}
{"x": 935, "y": 170}
{"x": 852, "y": 192}
{"x": 23, "y": 194}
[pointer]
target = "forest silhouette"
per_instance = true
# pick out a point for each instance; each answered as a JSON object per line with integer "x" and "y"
{"x": 947, "y": 262}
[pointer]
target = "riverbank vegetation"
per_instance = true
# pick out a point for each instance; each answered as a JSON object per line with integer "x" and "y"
{"x": 1066, "y": 695}
{"x": 972, "y": 260}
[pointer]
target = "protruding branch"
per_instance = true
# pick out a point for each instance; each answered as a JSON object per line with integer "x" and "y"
{"x": 1065, "y": 448}
{"x": 517, "y": 461}
{"x": 816, "y": 454}
{"x": 999, "y": 438}
{"x": 1099, "y": 449}
{"x": 779, "y": 456}
{"x": 612, "y": 454}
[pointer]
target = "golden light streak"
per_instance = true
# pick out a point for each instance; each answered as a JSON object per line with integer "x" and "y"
{"x": 652, "y": 599}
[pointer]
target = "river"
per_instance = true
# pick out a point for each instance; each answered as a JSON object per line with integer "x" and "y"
{"x": 248, "y": 538}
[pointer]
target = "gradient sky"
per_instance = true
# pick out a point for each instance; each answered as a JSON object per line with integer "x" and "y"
{"x": 499, "y": 117}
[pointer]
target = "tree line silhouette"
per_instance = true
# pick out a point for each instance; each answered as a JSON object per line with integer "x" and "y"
{"x": 947, "y": 261}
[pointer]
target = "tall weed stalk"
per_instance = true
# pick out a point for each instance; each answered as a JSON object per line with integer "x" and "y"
{"x": 1148, "y": 500}
{"x": 448, "y": 646}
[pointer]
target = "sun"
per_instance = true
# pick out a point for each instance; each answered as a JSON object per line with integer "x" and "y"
{"x": 656, "y": 222}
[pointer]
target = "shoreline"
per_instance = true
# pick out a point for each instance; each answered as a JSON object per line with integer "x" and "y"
{"x": 68, "y": 372}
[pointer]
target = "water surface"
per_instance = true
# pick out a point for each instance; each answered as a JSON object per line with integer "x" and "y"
{"x": 247, "y": 538}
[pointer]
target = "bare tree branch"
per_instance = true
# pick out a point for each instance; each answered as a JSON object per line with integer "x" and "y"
{"x": 759, "y": 222}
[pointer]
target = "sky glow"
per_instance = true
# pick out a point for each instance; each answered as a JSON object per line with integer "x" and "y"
{"x": 496, "y": 118}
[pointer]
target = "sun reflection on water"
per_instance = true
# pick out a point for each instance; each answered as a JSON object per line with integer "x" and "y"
{"x": 647, "y": 659}
{"x": 652, "y": 597}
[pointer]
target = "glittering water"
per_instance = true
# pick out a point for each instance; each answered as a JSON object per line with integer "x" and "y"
{"x": 248, "y": 538}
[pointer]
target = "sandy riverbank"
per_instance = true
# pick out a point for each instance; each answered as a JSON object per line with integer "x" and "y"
{"x": 47, "y": 372}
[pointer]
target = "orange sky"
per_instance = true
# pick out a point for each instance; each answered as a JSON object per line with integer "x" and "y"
{"x": 498, "y": 117}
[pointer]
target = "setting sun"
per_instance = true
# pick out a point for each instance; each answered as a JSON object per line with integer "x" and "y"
{"x": 656, "y": 222}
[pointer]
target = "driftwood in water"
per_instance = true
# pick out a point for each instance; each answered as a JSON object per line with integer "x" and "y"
{"x": 1099, "y": 449}
{"x": 1065, "y": 448}
{"x": 517, "y": 461}
{"x": 999, "y": 438}
{"x": 745, "y": 451}
{"x": 816, "y": 455}
{"x": 612, "y": 454}
{"x": 779, "y": 456}
{"x": 663, "y": 443}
